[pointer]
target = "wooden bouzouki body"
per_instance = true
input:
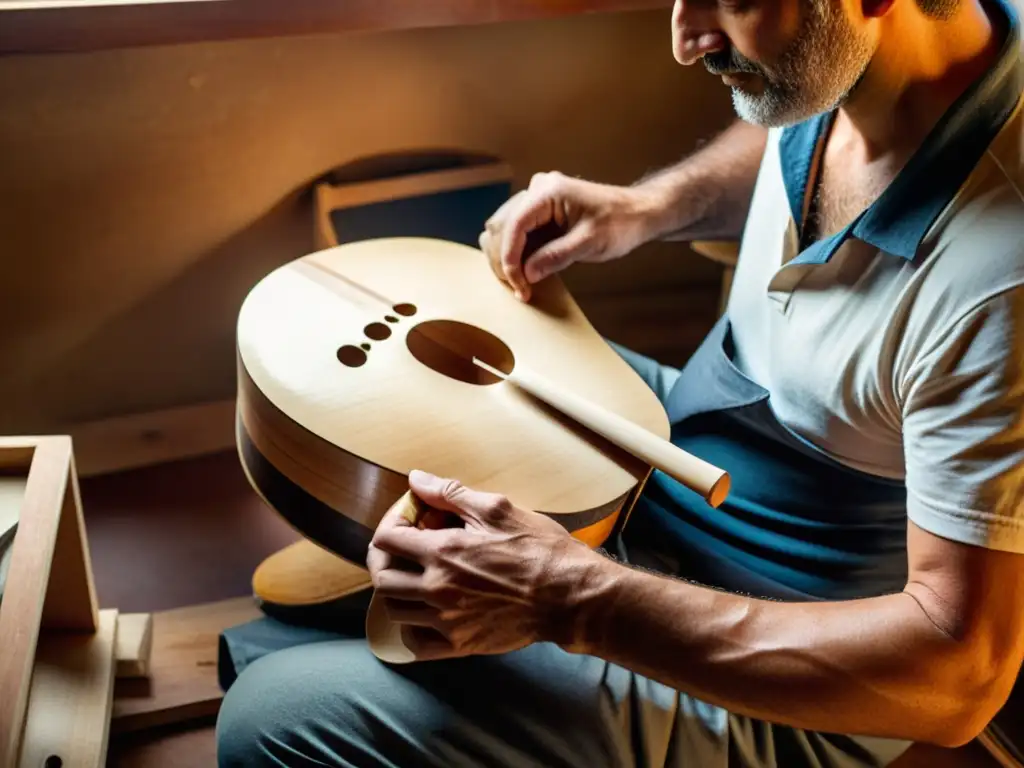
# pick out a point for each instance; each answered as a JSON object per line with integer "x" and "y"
{"x": 356, "y": 365}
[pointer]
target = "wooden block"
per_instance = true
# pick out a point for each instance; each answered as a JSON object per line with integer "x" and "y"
{"x": 68, "y": 716}
{"x": 49, "y": 585}
{"x": 134, "y": 644}
{"x": 182, "y": 683}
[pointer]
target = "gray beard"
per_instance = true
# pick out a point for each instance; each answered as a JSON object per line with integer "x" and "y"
{"x": 817, "y": 74}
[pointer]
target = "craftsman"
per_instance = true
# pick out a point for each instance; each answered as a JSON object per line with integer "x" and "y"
{"x": 863, "y": 586}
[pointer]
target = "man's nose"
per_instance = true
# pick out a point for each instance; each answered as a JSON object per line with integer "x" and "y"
{"x": 695, "y": 30}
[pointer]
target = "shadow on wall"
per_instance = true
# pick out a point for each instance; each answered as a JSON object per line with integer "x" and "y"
{"x": 152, "y": 340}
{"x": 144, "y": 191}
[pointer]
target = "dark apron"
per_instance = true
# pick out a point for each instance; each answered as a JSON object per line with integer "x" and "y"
{"x": 797, "y": 524}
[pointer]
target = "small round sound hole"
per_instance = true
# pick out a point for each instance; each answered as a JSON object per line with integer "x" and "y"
{"x": 377, "y": 331}
{"x": 406, "y": 310}
{"x": 448, "y": 347}
{"x": 351, "y": 356}
{"x": 53, "y": 761}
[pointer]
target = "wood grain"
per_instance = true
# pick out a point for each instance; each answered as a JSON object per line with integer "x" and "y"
{"x": 182, "y": 683}
{"x": 143, "y": 439}
{"x": 71, "y": 601}
{"x": 64, "y": 25}
{"x": 67, "y": 722}
{"x": 355, "y": 360}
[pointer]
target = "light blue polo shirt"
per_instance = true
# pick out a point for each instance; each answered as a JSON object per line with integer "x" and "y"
{"x": 895, "y": 346}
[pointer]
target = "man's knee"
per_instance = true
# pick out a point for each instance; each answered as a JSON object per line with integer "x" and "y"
{"x": 272, "y": 714}
{"x": 335, "y": 704}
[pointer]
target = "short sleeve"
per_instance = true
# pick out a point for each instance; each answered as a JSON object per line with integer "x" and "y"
{"x": 963, "y": 428}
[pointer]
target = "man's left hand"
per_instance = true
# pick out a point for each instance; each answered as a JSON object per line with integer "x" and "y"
{"x": 505, "y": 578}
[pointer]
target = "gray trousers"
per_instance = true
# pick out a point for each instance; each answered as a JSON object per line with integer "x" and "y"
{"x": 332, "y": 703}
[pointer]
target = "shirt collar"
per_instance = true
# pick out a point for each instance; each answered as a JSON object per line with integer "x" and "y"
{"x": 898, "y": 220}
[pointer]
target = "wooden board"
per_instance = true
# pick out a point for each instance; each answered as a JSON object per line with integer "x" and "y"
{"x": 68, "y": 715}
{"x": 154, "y": 437}
{"x": 182, "y": 683}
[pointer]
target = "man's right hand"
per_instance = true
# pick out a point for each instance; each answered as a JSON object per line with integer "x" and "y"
{"x": 594, "y": 223}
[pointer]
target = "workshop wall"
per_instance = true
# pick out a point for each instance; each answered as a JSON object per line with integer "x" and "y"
{"x": 142, "y": 192}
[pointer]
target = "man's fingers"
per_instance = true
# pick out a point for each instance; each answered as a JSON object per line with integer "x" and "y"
{"x": 397, "y": 584}
{"x": 414, "y": 614}
{"x": 450, "y": 495}
{"x": 557, "y": 254}
{"x": 489, "y": 244}
{"x": 427, "y": 643}
{"x": 377, "y": 560}
{"x": 407, "y": 542}
{"x": 534, "y": 212}
{"x": 395, "y": 517}
{"x": 497, "y": 219}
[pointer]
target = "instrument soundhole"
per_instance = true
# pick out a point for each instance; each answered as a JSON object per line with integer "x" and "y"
{"x": 406, "y": 310}
{"x": 448, "y": 347}
{"x": 377, "y": 331}
{"x": 351, "y": 356}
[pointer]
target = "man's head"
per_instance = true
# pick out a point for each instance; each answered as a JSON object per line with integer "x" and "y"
{"x": 785, "y": 60}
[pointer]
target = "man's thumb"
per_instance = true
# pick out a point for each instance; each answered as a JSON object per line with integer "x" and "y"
{"x": 440, "y": 493}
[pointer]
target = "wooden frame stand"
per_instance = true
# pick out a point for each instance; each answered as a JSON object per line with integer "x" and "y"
{"x": 57, "y": 649}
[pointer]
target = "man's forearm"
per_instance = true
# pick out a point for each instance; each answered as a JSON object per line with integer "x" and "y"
{"x": 707, "y": 195}
{"x": 875, "y": 666}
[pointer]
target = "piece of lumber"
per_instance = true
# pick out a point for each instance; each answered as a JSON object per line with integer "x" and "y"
{"x": 134, "y": 644}
{"x": 182, "y": 683}
{"x": 68, "y": 715}
{"x": 143, "y": 439}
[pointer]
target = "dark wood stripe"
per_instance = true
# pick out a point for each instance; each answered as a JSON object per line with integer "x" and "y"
{"x": 313, "y": 518}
